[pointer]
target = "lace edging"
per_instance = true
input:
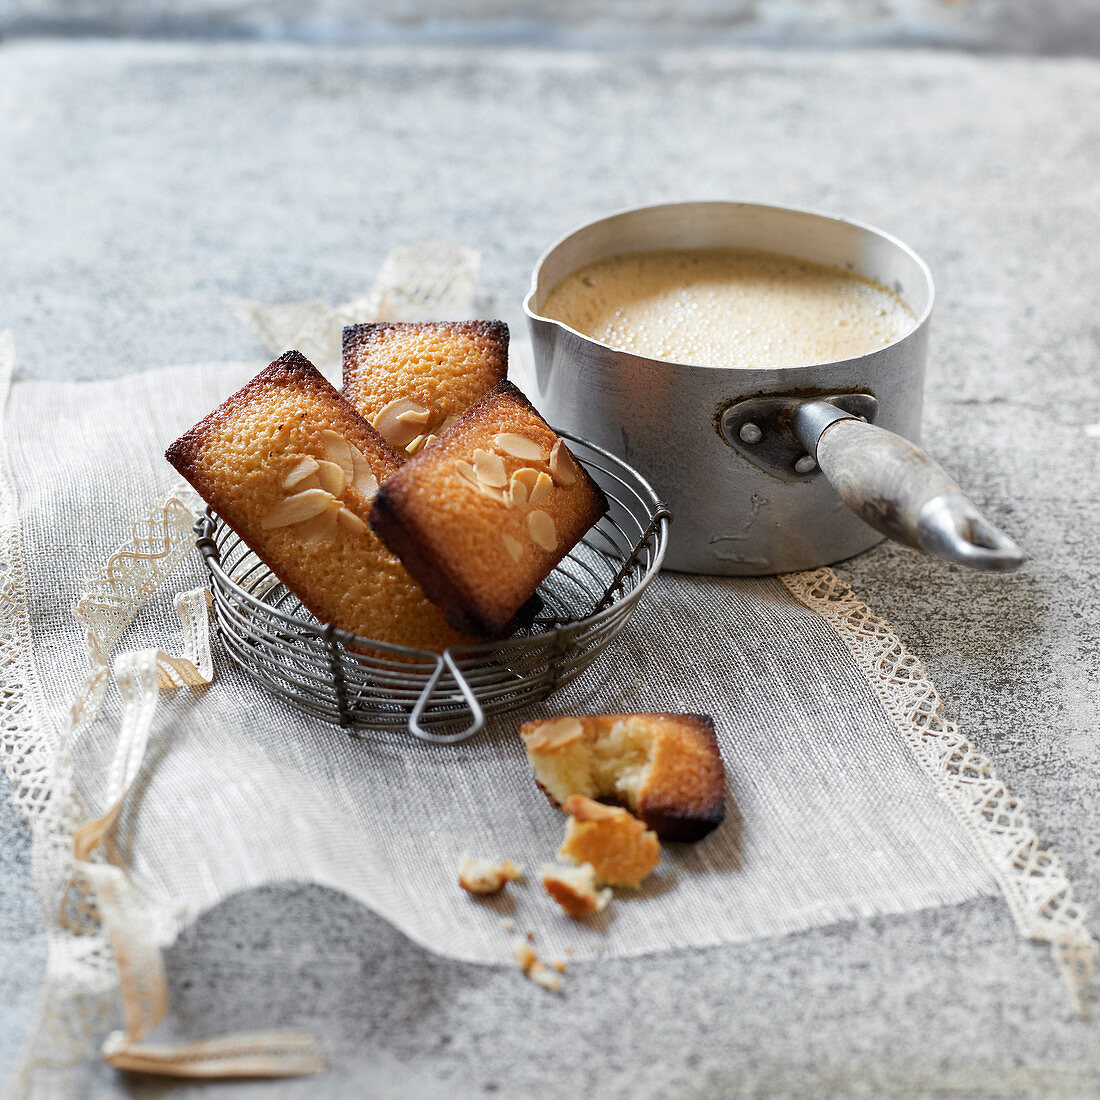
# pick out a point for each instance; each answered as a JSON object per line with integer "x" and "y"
{"x": 1031, "y": 877}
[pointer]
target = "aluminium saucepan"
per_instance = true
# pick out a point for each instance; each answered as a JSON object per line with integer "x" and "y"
{"x": 773, "y": 469}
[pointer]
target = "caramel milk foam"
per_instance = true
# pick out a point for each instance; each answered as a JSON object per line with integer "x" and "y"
{"x": 728, "y": 307}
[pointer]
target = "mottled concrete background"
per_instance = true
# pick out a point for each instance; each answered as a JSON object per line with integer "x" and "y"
{"x": 144, "y": 182}
{"x": 1024, "y": 26}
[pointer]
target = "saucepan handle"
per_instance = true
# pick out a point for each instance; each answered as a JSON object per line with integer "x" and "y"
{"x": 896, "y": 488}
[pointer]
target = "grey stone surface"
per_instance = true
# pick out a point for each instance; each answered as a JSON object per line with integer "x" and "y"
{"x": 147, "y": 182}
{"x": 1031, "y": 26}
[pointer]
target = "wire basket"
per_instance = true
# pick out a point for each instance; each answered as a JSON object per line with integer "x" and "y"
{"x": 443, "y": 697}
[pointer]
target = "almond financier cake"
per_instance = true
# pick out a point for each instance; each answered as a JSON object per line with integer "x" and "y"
{"x": 412, "y": 380}
{"x": 292, "y": 468}
{"x": 482, "y": 517}
{"x": 665, "y": 767}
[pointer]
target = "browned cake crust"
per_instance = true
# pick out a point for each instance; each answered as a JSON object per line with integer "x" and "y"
{"x": 244, "y": 458}
{"x": 665, "y": 767}
{"x": 430, "y": 372}
{"x": 479, "y": 525}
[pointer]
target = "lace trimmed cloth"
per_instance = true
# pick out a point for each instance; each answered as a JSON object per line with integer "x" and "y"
{"x": 831, "y": 732}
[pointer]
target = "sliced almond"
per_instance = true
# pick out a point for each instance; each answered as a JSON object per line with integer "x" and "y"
{"x": 543, "y": 532}
{"x": 541, "y": 487}
{"x": 367, "y": 485}
{"x": 338, "y": 450}
{"x": 466, "y": 471}
{"x": 311, "y": 482}
{"x": 554, "y": 735}
{"x": 527, "y": 477}
{"x": 490, "y": 469}
{"x": 300, "y": 471}
{"x": 394, "y": 429}
{"x": 513, "y": 546}
{"x": 332, "y": 477}
{"x": 499, "y": 495}
{"x": 297, "y": 509}
{"x": 518, "y": 446}
{"x": 362, "y": 475}
{"x": 517, "y": 491}
{"x": 347, "y": 518}
{"x": 415, "y": 446}
{"x": 562, "y": 465}
{"x": 321, "y": 528}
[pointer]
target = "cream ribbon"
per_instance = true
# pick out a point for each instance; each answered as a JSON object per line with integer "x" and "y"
{"x": 106, "y": 610}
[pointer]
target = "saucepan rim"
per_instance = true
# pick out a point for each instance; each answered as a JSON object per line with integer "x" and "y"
{"x": 922, "y": 266}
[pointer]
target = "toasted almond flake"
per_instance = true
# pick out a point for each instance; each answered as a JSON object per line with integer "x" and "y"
{"x": 490, "y": 469}
{"x": 297, "y": 509}
{"x": 527, "y": 477}
{"x": 541, "y": 487}
{"x": 562, "y": 465}
{"x": 554, "y": 735}
{"x": 499, "y": 495}
{"x": 300, "y": 471}
{"x": 543, "y": 532}
{"x": 332, "y": 477}
{"x": 321, "y": 528}
{"x": 351, "y": 521}
{"x": 363, "y": 478}
{"x": 518, "y": 446}
{"x": 466, "y": 471}
{"x": 415, "y": 446}
{"x": 311, "y": 482}
{"x": 396, "y": 431}
{"x": 513, "y": 546}
{"x": 517, "y": 492}
{"x": 366, "y": 484}
{"x": 338, "y": 450}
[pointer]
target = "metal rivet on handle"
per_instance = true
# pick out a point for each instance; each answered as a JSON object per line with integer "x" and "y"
{"x": 805, "y": 464}
{"x": 750, "y": 433}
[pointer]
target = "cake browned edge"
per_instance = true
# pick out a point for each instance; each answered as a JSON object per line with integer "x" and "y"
{"x": 671, "y": 822}
{"x": 354, "y": 337}
{"x": 428, "y": 570}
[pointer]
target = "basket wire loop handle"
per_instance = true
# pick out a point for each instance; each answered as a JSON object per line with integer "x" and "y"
{"x": 338, "y": 681}
{"x": 661, "y": 514}
{"x": 443, "y": 663}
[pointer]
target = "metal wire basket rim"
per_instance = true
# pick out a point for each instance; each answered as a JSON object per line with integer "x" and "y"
{"x": 659, "y": 524}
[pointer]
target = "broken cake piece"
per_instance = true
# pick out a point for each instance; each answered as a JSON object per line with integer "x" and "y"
{"x": 292, "y": 468}
{"x": 483, "y": 516}
{"x": 665, "y": 767}
{"x": 620, "y": 849}
{"x": 484, "y": 876}
{"x": 412, "y": 380}
{"x": 575, "y": 889}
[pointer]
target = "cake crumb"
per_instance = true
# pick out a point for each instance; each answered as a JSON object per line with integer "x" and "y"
{"x": 484, "y": 877}
{"x": 574, "y": 889}
{"x": 533, "y": 968}
{"x": 507, "y": 924}
{"x": 559, "y": 965}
